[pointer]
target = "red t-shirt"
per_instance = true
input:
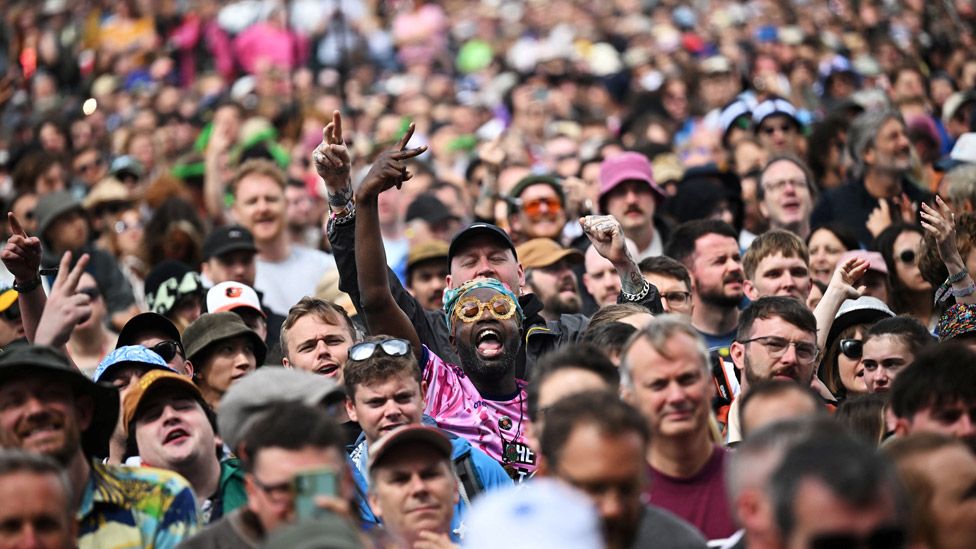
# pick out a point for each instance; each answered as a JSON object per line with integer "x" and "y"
{"x": 699, "y": 499}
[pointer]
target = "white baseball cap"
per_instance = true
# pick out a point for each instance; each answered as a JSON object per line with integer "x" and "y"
{"x": 231, "y": 295}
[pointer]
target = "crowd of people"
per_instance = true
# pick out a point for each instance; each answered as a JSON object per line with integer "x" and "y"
{"x": 496, "y": 273}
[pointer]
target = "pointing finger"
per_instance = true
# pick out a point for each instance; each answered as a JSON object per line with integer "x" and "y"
{"x": 337, "y": 126}
{"x": 406, "y": 137}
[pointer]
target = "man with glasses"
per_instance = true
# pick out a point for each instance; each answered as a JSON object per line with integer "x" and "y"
{"x": 158, "y": 334}
{"x": 384, "y": 385}
{"x": 785, "y": 194}
{"x": 665, "y": 374}
{"x": 672, "y": 280}
{"x": 776, "y": 339}
{"x": 537, "y": 208}
{"x": 89, "y": 167}
{"x": 282, "y": 442}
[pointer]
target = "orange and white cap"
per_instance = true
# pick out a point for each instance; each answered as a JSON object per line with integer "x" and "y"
{"x": 231, "y": 295}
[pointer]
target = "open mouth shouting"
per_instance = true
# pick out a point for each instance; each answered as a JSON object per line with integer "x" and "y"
{"x": 489, "y": 342}
{"x": 40, "y": 431}
{"x": 176, "y": 436}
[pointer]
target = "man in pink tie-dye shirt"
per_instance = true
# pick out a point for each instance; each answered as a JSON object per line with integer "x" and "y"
{"x": 480, "y": 399}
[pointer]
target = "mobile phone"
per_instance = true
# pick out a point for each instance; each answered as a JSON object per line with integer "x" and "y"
{"x": 311, "y": 484}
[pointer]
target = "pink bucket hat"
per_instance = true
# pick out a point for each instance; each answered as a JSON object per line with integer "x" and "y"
{"x": 625, "y": 167}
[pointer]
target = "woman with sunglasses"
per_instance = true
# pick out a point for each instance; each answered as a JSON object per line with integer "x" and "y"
{"x": 841, "y": 369}
{"x": 911, "y": 294}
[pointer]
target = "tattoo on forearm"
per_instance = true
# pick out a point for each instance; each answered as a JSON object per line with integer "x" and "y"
{"x": 340, "y": 197}
{"x": 634, "y": 283}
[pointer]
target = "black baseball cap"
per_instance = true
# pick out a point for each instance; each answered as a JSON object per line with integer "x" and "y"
{"x": 229, "y": 238}
{"x": 429, "y": 208}
{"x": 147, "y": 322}
{"x": 479, "y": 229}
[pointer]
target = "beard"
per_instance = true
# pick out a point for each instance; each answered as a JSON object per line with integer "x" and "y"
{"x": 719, "y": 298}
{"x": 489, "y": 370}
{"x": 556, "y": 304}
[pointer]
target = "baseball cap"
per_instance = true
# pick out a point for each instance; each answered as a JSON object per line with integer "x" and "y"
{"x": 428, "y": 208}
{"x": 7, "y": 298}
{"x": 169, "y": 282}
{"x": 954, "y": 102}
{"x": 875, "y": 260}
{"x": 774, "y": 106}
{"x": 146, "y": 322}
{"x": 494, "y": 232}
{"x": 542, "y": 514}
{"x": 22, "y": 361}
{"x": 326, "y": 531}
{"x": 231, "y": 295}
{"x": 151, "y": 382}
{"x": 213, "y": 327}
{"x": 126, "y": 355}
{"x": 265, "y": 387}
{"x": 226, "y": 239}
{"x": 539, "y": 253}
{"x": 127, "y": 165}
{"x": 623, "y": 167}
{"x": 716, "y": 64}
{"x": 431, "y": 436}
{"x": 425, "y": 251}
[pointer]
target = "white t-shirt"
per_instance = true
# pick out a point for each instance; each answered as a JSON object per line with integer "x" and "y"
{"x": 284, "y": 283}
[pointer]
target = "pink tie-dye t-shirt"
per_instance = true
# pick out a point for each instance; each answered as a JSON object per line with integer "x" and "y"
{"x": 497, "y": 427}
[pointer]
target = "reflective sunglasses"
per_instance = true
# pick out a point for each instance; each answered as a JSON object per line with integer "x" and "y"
{"x": 390, "y": 347}
{"x": 776, "y": 347}
{"x": 168, "y": 349}
{"x": 908, "y": 257}
{"x": 852, "y": 348}
{"x": 533, "y": 208}
{"x": 470, "y": 309}
{"x": 882, "y": 538}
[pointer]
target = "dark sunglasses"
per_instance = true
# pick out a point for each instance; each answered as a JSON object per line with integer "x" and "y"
{"x": 908, "y": 257}
{"x": 390, "y": 347}
{"x": 12, "y": 313}
{"x": 852, "y": 348}
{"x": 882, "y": 538}
{"x": 168, "y": 349}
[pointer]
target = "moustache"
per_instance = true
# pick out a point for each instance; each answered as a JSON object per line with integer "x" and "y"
{"x": 736, "y": 277}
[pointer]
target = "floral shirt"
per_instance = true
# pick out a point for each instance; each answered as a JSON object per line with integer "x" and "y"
{"x": 126, "y": 507}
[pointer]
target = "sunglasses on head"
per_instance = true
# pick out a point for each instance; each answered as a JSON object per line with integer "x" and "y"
{"x": 852, "y": 348}
{"x": 390, "y": 347}
{"x": 470, "y": 309}
{"x": 167, "y": 350}
{"x": 882, "y": 538}
{"x": 533, "y": 208}
{"x": 908, "y": 257}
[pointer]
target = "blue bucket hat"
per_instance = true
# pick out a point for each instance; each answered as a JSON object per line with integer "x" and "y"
{"x": 130, "y": 354}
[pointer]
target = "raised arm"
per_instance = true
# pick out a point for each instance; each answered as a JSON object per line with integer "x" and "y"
{"x": 941, "y": 223}
{"x": 22, "y": 257}
{"x": 65, "y": 307}
{"x": 840, "y": 289}
{"x": 383, "y": 316}
{"x": 607, "y": 236}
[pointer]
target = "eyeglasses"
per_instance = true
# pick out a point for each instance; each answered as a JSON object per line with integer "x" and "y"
{"x": 390, "y": 347}
{"x": 470, "y": 309}
{"x": 279, "y": 493}
{"x": 533, "y": 208}
{"x": 122, "y": 226}
{"x": 676, "y": 298}
{"x": 92, "y": 292}
{"x": 908, "y": 257}
{"x": 852, "y": 348}
{"x": 167, "y": 350}
{"x": 776, "y": 347}
{"x": 882, "y": 538}
{"x": 776, "y": 186}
